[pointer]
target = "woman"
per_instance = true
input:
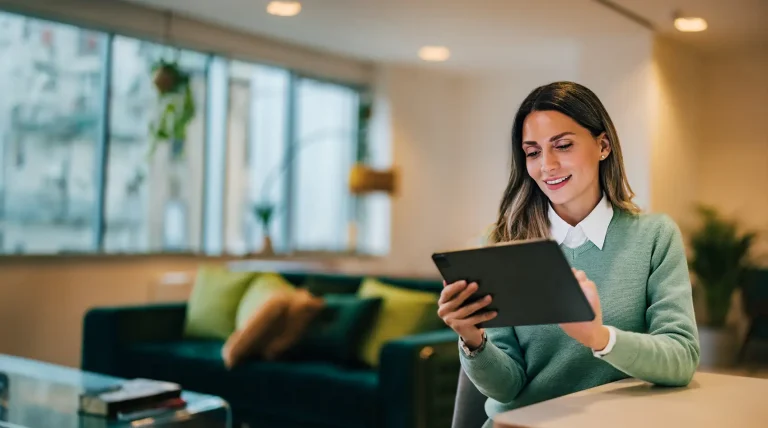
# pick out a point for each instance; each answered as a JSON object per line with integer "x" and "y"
{"x": 568, "y": 183}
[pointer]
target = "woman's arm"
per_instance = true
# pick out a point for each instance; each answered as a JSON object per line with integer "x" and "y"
{"x": 669, "y": 353}
{"x": 497, "y": 371}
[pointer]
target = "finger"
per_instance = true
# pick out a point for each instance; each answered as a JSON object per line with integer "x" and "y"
{"x": 451, "y": 290}
{"x": 589, "y": 287}
{"x": 445, "y": 284}
{"x": 470, "y": 309}
{"x": 477, "y": 319}
{"x": 458, "y": 300}
{"x": 580, "y": 275}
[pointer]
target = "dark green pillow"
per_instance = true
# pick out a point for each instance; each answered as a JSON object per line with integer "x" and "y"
{"x": 337, "y": 333}
{"x": 326, "y": 285}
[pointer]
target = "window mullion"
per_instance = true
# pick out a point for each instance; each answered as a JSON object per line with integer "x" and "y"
{"x": 102, "y": 148}
{"x": 291, "y": 133}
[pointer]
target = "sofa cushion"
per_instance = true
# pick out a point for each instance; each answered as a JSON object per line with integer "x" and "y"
{"x": 323, "y": 285}
{"x": 296, "y": 391}
{"x": 403, "y": 312}
{"x": 261, "y": 328}
{"x": 261, "y": 289}
{"x": 337, "y": 333}
{"x": 213, "y": 302}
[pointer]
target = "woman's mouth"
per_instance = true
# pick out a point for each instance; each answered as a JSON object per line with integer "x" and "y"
{"x": 556, "y": 183}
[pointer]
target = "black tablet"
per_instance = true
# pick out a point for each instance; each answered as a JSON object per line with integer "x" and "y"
{"x": 531, "y": 282}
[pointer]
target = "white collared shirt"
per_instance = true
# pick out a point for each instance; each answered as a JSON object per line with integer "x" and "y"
{"x": 594, "y": 227}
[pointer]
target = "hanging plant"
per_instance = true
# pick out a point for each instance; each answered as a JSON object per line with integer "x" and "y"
{"x": 176, "y": 107}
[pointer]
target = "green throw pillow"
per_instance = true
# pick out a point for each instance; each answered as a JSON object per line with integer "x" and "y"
{"x": 336, "y": 333}
{"x": 403, "y": 312}
{"x": 213, "y": 302}
{"x": 331, "y": 284}
{"x": 259, "y": 291}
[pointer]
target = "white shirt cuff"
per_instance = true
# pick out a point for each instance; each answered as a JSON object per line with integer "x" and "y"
{"x": 611, "y": 342}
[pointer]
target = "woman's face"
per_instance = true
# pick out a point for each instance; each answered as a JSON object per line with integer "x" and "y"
{"x": 564, "y": 160}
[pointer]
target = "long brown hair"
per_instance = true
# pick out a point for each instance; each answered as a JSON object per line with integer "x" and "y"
{"x": 524, "y": 207}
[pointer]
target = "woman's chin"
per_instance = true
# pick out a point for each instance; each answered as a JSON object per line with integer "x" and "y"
{"x": 558, "y": 197}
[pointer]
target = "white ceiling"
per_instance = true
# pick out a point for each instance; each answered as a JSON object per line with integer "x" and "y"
{"x": 481, "y": 34}
{"x": 732, "y": 24}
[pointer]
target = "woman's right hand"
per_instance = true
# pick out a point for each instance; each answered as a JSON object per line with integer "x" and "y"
{"x": 463, "y": 319}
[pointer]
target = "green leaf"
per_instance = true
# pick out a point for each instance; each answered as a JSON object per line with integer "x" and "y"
{"x": 720, "y": 259}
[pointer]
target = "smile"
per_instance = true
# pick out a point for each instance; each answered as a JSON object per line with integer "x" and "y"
{"x": 557, "y": 183}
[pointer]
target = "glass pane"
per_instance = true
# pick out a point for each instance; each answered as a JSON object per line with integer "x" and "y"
{"x": 215, "y": 156}
{"x": 256, "y": 147}
{"x": 325, "y": 151}
{"x": 153, "y": 203}
{"x": 50, "y": 119}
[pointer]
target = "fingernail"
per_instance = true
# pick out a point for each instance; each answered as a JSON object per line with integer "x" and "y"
{"x": 488, "y": 297}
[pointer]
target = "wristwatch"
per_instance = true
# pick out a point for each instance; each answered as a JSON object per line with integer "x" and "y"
{"x": 472, "y": 352}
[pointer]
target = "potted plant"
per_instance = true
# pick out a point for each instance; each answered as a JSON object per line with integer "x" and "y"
{"x": 264, "y": 212}
{"x": 176, "y": 107}
{"x": 719, "y": 261}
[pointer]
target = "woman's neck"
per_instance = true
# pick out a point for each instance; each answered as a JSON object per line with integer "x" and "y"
{"x": 576, "y": 211}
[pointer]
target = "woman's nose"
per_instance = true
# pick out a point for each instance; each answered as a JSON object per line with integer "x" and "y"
{"x": 549, "y": 162}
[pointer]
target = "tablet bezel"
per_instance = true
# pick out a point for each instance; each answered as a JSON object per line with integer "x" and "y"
{"x": 536, "y": 260}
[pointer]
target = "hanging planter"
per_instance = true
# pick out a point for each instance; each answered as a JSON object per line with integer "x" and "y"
{"x": 176, "y": 107}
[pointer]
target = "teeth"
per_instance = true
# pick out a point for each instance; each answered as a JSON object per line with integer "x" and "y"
{"x": 560, "y": 180}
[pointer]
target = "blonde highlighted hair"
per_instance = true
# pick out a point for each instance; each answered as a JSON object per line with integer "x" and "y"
{"x": 524, "y": 207}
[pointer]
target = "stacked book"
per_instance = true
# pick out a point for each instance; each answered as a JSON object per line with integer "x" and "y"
{"x": 131, "y": 399}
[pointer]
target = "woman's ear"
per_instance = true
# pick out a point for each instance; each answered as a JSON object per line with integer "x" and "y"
{"x": 605, "y": 145}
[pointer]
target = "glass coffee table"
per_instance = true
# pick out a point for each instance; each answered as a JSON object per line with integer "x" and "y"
{"x": 34, "y": 394}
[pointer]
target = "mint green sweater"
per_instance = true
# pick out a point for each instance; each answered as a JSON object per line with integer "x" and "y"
{"x": 645, "y": 293}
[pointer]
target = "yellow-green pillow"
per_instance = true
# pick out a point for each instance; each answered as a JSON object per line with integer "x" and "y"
{"x": 213, "y": 302}
{"x": 258, "y": 292}
{"x": 403, "y": 312}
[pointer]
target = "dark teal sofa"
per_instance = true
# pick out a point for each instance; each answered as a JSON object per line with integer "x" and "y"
{"x": 414, "y": 385}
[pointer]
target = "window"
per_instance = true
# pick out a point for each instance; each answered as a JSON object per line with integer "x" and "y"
{"x": 152, "y": 203}
{"x": 257, "y": 132}
{"x": 78, "y": 172}
{"x": 291, "y": 144}
{"x": 50, "y": 130}
{"x": 325, "y": 150}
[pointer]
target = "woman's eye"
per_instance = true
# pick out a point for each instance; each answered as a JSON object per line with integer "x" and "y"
{"x": 565, "y": 146}
{"x": 532, "y": 154}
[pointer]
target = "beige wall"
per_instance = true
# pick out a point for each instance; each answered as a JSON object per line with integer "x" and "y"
{"x": 709, "y": 146}
{"x": 677, "y": 136}
{"x": 733, "y": 155}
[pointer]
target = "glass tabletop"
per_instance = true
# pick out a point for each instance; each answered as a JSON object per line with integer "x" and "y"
{"x": 34, "y": 394}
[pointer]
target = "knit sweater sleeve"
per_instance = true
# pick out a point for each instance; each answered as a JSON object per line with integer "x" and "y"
{"x": 668, "y": 354}
{"x": 498, "y": 370}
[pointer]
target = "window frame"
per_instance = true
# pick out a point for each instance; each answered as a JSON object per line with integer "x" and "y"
{"x": 104, "y": 142}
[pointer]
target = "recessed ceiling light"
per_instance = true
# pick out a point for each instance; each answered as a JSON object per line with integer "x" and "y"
{"x": 690, "y": 24}
{"x": 434, "y": 53}
{"x": 284, "y": 8}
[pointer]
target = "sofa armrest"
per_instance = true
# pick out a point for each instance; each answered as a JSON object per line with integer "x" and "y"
{"x": 108, "y": 330}
{"x": 418, "y": 376}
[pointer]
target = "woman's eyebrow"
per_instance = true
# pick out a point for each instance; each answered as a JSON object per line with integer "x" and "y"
{"x": 551, "y": 140}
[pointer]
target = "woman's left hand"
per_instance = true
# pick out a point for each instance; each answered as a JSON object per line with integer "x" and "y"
{"x": 592, "y": 334}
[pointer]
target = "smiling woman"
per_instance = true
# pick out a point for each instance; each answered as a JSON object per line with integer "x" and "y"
{"x": 567, "y": 183}
{"x": 570, "y": 154}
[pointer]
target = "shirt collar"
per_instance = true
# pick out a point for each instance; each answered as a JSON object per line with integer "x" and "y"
{"x": 594, "y": 226}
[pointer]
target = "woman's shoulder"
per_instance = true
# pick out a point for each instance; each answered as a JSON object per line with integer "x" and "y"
{"x": 650, "y": 225}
